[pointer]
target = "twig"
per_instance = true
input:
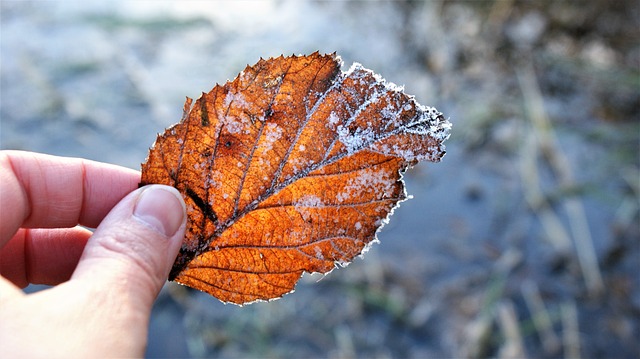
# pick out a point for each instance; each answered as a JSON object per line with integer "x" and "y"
{"x": 478, "y": 333}
{"x": 556, "y": 233}
{"x": 541, "y": 318}
{"x": 508, "y": 320}
{"x": 561, "y": 166}
{"x": 477, "y": 336}
{"x": 570, "y": 334}
{"x": 344, "y": 342}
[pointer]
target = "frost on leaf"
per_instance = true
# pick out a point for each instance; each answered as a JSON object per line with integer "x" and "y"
{"x": 290, "y": 168}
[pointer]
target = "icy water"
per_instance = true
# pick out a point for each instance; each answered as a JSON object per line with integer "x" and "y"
{"x": 532, "y": 214}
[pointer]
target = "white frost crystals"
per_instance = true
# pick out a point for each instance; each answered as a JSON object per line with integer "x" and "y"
{"x": 235, "y": 124}
{"x": 368, "y": 180}
{"x": 430, "y": 122}
{"x": 306, "y": 205}
{"x": 357, "y": 140}
{"x": 392, "y": 113}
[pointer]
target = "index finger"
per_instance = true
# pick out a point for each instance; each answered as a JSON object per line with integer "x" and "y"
{"x": 44, "y": 191}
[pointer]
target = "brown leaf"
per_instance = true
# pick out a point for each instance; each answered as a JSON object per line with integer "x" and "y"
{"x": 292, "y": 167}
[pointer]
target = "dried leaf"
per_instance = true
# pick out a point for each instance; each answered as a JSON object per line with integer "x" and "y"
{"x": 291, "y": 167}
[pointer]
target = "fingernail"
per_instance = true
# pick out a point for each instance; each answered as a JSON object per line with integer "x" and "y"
{"x": 161, "y": 208}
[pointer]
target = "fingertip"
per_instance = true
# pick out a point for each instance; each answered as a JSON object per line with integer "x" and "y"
{"x": 161, "y": 208}
{"x": 134, "y": 248}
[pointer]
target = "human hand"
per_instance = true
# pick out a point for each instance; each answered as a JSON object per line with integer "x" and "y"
{"x": 106, "y": 281}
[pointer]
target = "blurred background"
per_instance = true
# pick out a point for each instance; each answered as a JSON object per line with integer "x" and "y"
{"x": 523, "y": 242}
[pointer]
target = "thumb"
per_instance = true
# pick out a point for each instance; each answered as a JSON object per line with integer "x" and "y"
{"x": 132, "y": 250}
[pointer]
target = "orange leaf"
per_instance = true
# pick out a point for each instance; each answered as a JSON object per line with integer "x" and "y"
{"x": 291, "y": 167}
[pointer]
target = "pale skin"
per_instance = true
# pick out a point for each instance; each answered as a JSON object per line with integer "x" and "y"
{"x": 104, "y": 282}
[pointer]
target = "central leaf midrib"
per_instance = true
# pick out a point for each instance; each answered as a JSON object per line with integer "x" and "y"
{"x": 276, "y": 188}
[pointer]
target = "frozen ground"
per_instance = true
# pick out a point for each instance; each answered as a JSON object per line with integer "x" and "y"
{"x": 522, "y": 242}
